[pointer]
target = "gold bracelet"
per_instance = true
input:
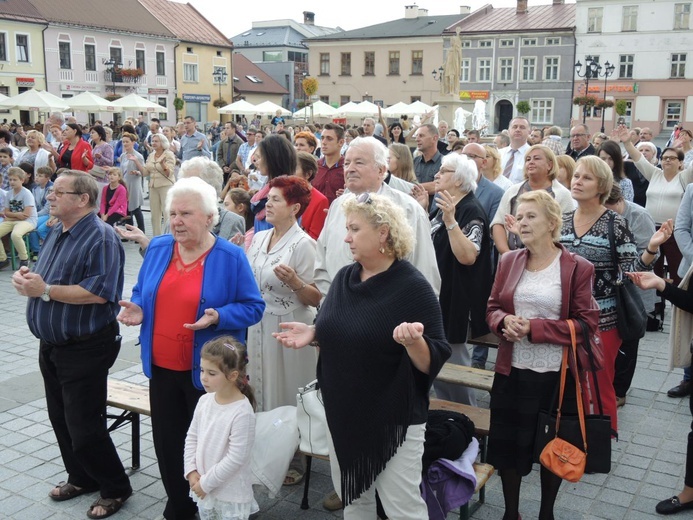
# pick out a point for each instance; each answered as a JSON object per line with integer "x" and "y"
{"x": 303, "y": 286}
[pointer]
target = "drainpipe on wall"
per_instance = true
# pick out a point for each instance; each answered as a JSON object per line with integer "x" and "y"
{"x": 45, "y": 69}
{"x": 572, "y": 79}
{"x": 175, "y": 80}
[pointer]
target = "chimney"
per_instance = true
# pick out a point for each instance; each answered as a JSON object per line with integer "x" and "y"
{"x": 423, "y": 12}
{"x": 558, "y": 2}
{"x": 521, "y": 7}
{"x": 308, "y": 18}
{"x": 465, "y": 9}
{"x": 411, "y": 11}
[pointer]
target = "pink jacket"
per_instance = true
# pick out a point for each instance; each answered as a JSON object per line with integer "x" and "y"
{"x": 119, "y": 202}
{"x": 577, "y": 275}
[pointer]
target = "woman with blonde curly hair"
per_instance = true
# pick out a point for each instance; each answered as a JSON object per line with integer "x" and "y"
{"x": 396, "y": 343}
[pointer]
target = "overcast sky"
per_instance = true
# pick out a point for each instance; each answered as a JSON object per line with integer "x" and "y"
{"x": 233, "y": 18}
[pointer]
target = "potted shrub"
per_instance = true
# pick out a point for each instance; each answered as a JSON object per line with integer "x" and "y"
{"x": 621, "y": 107}
{"x": 220, "y": 102}
{"x": 178, "y": 104}
{"x": 523, "y": 107}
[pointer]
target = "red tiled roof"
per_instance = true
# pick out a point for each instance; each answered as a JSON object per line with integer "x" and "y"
{"x": 125, "y": 15}
{"x": 507, "y": 19}
{"x": 186, "y": 22}
{"x": 20, "y": 10}
{"x": 243, "y": 67}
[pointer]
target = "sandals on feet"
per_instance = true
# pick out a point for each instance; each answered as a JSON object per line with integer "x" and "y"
{"x": 110, "y": 505}
{"x": 293, "y": 477}
{"x": 67, "y": 491}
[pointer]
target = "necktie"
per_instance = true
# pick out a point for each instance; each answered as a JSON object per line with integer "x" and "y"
{"x": 509, "y": 165}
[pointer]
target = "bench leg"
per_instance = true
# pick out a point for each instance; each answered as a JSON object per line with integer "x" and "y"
{"x": 135, "y": 441}
{"x": 306, "y": 482}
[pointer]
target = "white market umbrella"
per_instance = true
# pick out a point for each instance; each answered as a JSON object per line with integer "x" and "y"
{"x": 238, "y": 107}
{"x": 138, "y": 104}
{"x": 396, "y": 110}
{"x": 344, "y": 109}
{"x": 90, "y": 102}
{"x": 363, "y": 109}
{"x": 268, "y": 108}
{"x": 36, "y": 100}
{"x": 319, "y": 109}
{"x": 418, "y": 108}
{"x": 3, "y": 97}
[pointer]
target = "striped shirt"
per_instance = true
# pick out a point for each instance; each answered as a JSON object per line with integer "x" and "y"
{"x": 90, "y": 255}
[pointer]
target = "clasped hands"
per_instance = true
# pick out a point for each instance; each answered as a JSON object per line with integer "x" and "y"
{"x": 515, "y": 327}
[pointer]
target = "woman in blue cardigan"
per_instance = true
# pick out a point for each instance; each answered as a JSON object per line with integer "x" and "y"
{"x": 192, "y": 287}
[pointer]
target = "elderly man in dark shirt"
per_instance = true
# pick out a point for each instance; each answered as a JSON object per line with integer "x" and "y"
{"x": 73, "y": 295}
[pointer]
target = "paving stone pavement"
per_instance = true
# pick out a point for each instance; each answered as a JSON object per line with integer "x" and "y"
{"x": 647, "y": 462}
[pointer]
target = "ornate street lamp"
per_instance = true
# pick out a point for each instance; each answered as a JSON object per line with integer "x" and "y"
{"x": 438, "y": 74}
{"x": 111, "y": 66}
{"x": 609, "y": 69}
{"x": 219, "y": 75}
{"x": 592, "y": 69}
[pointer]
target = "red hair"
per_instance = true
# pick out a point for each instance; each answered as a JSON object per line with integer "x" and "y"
{"x": 310, "y": 139}
{"x": 295, "y": 190}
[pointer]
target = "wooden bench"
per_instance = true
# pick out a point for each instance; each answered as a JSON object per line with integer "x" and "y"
{"x": 133, "y": 399}
{"x": 466, "y": 376}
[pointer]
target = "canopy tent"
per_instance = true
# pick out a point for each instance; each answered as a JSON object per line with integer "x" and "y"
{"x": 241, "y": 107}
{"x": 36, "y": 100}
{"x": 90, "y": 102}
{"x": 363, "y": 109}
{"x": 3, "y": 97}
{"x": 138, "y": 104}
{"x": 418, "y": 108}
{"x": 396, "y": 110}
{"x": 267, "y": 108}
{"x": 317, "y": 109}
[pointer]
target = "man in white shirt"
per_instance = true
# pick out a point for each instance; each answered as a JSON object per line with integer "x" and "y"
{"x": 513, "y": 156}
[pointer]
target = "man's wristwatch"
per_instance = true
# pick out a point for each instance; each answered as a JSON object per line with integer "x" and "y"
{"x": 46, "y": 296}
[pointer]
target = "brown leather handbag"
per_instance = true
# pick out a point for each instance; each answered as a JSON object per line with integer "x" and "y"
{"x": 559, "y": 456}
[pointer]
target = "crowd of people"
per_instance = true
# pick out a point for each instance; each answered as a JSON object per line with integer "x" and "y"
{"x": 388, "y": 247}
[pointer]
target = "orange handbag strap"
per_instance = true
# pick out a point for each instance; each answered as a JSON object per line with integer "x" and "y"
{"x": 578, "y": 387}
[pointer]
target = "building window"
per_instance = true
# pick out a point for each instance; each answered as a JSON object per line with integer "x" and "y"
{"x": 271, "y": 55}
{"x": 89, "y": 57}
{"x": 343, "y": 100}
{"x": 551, "y": 69}
{"x": 3, "y": 47}
{"x": 324, "y": 63}
{"x": 625, "y": 66}
{"x": 466, "y": 67}
{"x": 682, "y": 16}
{"x": 507, "y": 43}
{"x": 369, "y": 63}
{"x": 298, "y": 57}
{"x": 325, "y": 99}
{"x": 160, "y": 64}
{"x": 553, "y": 41}
{"x": 486, "y": 43}
{"x": 630, "y": 18}
{"x": 529, "y": 69}
{"x": 367, "y": 98}
{"x": 542, "y": 111}
{"x": 162, "y": 101}
{"x": 65, "y": 55}
{"x": 417, "y": 62}
{"x": 505, "y": 70}
{"x": 594, "y": 19}
{"x": 190, "y": 73}
{"x": 674, "y": 113}
{"x": 678, "y": 65}
{"x": 414, "y": 99}
{"x": 22, "y": 41}
{"x": 346, "y": 64}
{"x": 139, "y": 59}
{"x": 466, "y": 44}
{"x": 529, "y": 42}
{"x": 483, "y": 70}
{"x": 116, "y": 54}
{"x": 393, "y": 67}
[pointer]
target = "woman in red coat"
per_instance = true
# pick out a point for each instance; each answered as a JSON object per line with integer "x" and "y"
{"x": 76, "y": 152}
{"x": 314, "y": 217}
{"x": 535, "y": 291}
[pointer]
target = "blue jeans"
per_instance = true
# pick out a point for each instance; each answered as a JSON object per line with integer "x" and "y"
{"x": 41, "y": 232}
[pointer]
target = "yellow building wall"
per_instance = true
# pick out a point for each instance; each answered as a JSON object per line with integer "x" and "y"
{"x": 15, "y": 74}
{"x": 205, "y": 58}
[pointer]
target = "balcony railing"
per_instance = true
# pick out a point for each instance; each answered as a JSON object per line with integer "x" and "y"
{"x": 161, "y": 81}
{"x": 91, "y": 76}
{"x": 114, "y": 77}
{"x": 66, "y": 75}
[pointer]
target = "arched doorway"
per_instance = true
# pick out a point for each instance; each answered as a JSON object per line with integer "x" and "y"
{"x": 503, "y": 115}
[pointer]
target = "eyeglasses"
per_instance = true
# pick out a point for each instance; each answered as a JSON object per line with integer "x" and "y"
{"x": 474, "y": 156}
{"x": 578, "y": 135}
{"x": 668, "y": 158}
{"x": 364, "y": 198}
{"x": 60, "y": 193}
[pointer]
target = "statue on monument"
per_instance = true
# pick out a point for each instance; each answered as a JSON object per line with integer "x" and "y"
{"x": 453, "y": 66}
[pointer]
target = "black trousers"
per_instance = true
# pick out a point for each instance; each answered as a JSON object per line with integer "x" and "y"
{"x": 626, "y": 360}
{"x": 75, "y": 377}
{"x": 138, "y": 217}
{"x": 173, "y": 398}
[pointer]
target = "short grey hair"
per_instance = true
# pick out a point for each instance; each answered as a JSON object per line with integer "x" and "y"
{"x": 165, "y": 143}
{"x": 554, "y": 130}
{"x": 377, "y": 148}
{"x": 205, "y": 169}
{"x": 195, "y": 186}
{"x": 465, "y": 172}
